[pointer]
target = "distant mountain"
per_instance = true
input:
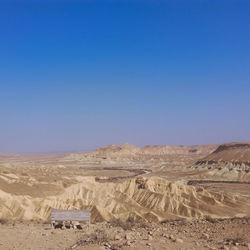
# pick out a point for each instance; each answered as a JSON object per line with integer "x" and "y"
{"x": 153, "y": 153}
{"x": 235, "y": 153}
{"x": 229, "y": 161}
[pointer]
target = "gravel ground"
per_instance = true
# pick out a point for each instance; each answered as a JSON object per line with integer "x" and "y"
{"x": 184, "y": 234}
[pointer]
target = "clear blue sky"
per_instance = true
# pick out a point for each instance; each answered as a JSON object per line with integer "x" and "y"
{"x": 80, "y": 75}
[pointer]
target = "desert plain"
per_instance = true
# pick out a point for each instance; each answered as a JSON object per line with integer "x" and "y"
{"x": 153, "y": 197}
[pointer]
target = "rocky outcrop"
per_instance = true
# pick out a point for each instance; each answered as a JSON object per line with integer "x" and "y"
{"x": 230, "y": 160}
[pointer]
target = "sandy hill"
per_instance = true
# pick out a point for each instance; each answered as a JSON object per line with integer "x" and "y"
{"x": 231, "y": 161}
{"x": 150, "y": 199}
{"x": 234, "y": 153}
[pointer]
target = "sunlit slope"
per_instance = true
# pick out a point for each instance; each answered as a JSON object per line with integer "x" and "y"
{"x": 232, "y": 152}
{"x": 129, "y": 152}
{"x": 229, "y": 161}
{"x": 152, "y": 199}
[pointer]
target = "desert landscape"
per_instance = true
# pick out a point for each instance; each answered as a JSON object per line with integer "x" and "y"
{"x": 124, "y": 124}
{"x": 155, "y": 197}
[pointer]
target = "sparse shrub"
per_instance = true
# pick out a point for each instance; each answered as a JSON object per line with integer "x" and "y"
{"x": 143, "y": 224}
{"x": 46, "y": 222}
{"x": 234, "y": 240}
{"x": 130, "y": 223}
{"x": 99, "y": 237}
{"x": 210, "y": 219}
{"x": 125, "y": 225}
{"x": 3, "y": 221}
{"x": 180, "y": 221}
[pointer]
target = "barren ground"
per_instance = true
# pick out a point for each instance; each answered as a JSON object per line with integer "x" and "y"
{"x": 139, "y": 198}
{"x": 184, "y": 234}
